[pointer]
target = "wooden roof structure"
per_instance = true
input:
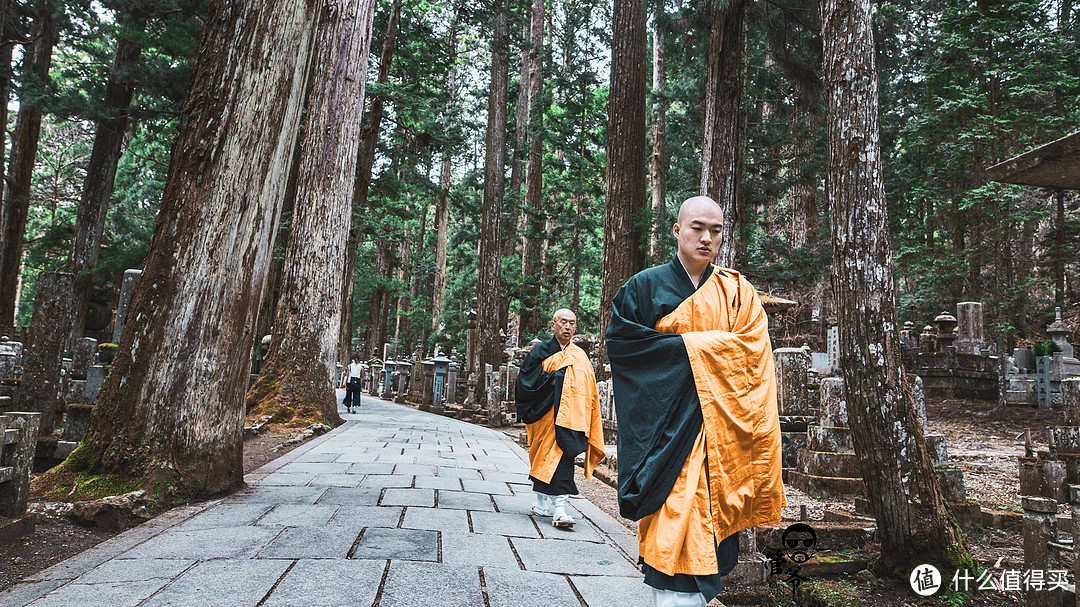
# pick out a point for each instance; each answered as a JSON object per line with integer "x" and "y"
{"x": 1053, "y": 165}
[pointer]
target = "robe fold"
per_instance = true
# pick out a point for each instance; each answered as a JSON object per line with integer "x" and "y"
{"x": 699, "y": 435}
{"x": 556, "y": 396}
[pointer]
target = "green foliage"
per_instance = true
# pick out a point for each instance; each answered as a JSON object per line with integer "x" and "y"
{"x": 1045, "y": 348}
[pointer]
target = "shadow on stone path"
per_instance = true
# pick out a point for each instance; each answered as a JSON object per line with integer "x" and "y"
{"x": 397, "y": 507}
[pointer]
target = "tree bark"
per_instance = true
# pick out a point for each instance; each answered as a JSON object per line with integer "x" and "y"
{"x": 900, "y": 483}
{"x": 295, "y": 385}
{"x": 625, "y": 236}
{"x": 5, "y": 95}
{"x": 370, "y": 140}
{"x": 722, "y": 148}
{"x": 532, "y": 241}
{"x": 172, "y": 409}
{"x": 24, "y": 144}
{"x": 659, "y": 127}
{"x": 442, "y": 207}
{"x": 104, "y": 157}
{"x": 488, "y": 283}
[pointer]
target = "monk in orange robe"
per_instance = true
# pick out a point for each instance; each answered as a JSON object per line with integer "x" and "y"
{"x": 557, "y": 398}
{"x": 695, "y": 398}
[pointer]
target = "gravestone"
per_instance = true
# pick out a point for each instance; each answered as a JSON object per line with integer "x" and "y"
{"x": 791, "y": 367}
{"x": 18, "y": 441}
{"x": 83, "y": 358}
{"x": 95, "y": 377}
{"x": 970, "y": 337}
{"x": 833, "y": 344}
{"x": 8, "y": 360}
{"x": 127, "y": 289}
{"x": 41, "y": 388}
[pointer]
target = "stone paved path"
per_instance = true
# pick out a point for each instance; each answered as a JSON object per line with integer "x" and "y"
{"x": 395, "y": 508}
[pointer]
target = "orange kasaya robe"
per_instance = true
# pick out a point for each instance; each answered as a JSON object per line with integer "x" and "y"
{"x": 732, "y": 478}
{"x": 579, "y": 409}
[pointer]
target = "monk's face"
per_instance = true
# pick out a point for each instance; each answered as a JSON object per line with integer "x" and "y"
{"x": 699, "y": 231}
{"x": 564, "y": 325}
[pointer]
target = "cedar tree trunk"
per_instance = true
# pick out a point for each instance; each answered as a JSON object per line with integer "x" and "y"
{"x": 295, "y": 385}
{"x": 488, "y": 299}
{"x": 24, "y": 144}
{"x": 172, "y": 410}
{"x": 625, "y": 232}
{"x": 901, "y": 486}
{"x": 721, "y": 150}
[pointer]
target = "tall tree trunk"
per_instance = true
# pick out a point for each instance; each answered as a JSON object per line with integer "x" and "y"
{"x": 900, "y": 483}
{"x": 375, "y": 335}
{"x": 1059, "y": 248}
{"x": 172, "y": 409}
{"x": 625, "y": 236}
{"x": 804, "y": 182}
{"x": 488, "y": 283}
{"x": 402, "y": 304}
{"x": 722, "y": 148}
{"x": 295, "y": 383}
{"x": 104, "y": 157}
{"x": 5, "y": 94}
{"x": 442, "y": 207}
{"x": 531, "y": 254}
{"x": 24, "y": 144}
{"x": 659, "y": 126}
{"x": 370, "y": 140}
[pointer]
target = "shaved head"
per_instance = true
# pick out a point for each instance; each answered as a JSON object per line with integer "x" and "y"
{"x": 697, "y": 206}
{"x": 564, "y": 324}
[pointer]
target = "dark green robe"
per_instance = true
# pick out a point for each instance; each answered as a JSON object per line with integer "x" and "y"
{"x": 656, "y": 407}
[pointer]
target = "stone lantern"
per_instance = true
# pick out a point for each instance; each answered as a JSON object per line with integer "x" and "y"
{"x": 1059, "y": 331}
{"x": 946, "y": 325}
{"x": 387, "y": 377}
{"x": 438, "y": 394}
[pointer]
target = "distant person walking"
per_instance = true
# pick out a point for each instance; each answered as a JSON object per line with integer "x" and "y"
{"x": 352, "y": 379}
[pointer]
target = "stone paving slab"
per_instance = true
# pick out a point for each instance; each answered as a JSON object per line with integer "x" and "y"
{"x": 411, "y": 584}
{"x": 328, "y": 583}
{"x": 297, "y": 515}
{"x": 604, "y": 591}
{"x": 403, "y": 544}
{"x": 225, "y": 582}
{"x": 477, "y": 550}
{"x": 560, "y": 556}
{"x": 396, "y": 507}
{"x": 507, "y": 588}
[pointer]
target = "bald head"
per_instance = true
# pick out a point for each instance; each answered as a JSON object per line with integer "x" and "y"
{"x": 699, "y": 205}
{"x": 564, "y": 325}
{"x": 699, "y": 231}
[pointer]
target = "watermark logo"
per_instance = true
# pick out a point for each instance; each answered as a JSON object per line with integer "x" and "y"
{"x": 798, "y": 540}
{"x": 925, "y": 580}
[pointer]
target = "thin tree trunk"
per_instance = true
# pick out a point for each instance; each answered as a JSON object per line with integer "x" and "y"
{"x": 901, "y": 486}
{"x": 370, "y": 140}
{"x": 5, "y": 95}
{"x": 442, "y": 208}
{"x": 531, "y": 255}
{"x": 804, "y": 182}
{"x": 24, "y": 144}
{"x": 402, "y": 303}
{"x": 295, "y": 383}
{"x": 104, "y": 158}
{"x": 625, "y": 236}
{"x": 488, "y": 283}
{"x": 722, "y": 148}
{"x": 1059, "y": 248}
{"x": 659, "y": 126}
{"x": 172, "y": 409}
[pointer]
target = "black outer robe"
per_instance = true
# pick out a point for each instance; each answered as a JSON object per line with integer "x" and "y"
{"x": 534, "y": 394}
{"x": 656, "y": 407}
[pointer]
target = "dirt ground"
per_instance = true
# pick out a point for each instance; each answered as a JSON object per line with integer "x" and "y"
{"x": 57, "y": 538}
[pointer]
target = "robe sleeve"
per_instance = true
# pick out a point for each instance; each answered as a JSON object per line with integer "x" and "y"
{"x": 656, "y": 402}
